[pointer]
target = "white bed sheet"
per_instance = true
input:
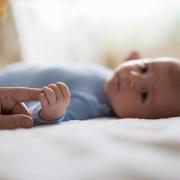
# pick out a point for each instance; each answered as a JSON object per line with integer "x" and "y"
{"x": 101, "y": 149}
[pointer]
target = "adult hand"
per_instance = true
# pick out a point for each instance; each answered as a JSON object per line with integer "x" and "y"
{"x": 13, "y": 112}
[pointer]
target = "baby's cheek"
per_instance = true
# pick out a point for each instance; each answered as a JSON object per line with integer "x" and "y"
{"x": 124, "y": 105}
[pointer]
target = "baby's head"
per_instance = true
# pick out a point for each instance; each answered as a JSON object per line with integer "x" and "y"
{"x": 145, "y": 88}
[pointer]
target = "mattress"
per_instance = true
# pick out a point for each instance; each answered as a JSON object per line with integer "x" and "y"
{"x": 98, "y": 149}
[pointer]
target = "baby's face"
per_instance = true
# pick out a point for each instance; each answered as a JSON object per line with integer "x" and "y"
{"x": 143, "y": 89}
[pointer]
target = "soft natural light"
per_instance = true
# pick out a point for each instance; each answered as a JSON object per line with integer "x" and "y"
{"x": 54, "y": 16}
{"x": 87, "y": 29}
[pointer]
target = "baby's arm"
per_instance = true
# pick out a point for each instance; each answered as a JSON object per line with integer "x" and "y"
{"x": 54, "y": 101}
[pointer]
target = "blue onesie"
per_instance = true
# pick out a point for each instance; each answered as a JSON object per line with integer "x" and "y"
{"x": 85, "y": 82}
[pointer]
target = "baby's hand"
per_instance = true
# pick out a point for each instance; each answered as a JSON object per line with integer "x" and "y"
{"x": 54, "y": 101}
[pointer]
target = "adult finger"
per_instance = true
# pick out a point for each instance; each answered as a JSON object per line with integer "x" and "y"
{"x": 20, "y": 108}
{"x": 15, "y": 121}
{"x": 20, "y": 93}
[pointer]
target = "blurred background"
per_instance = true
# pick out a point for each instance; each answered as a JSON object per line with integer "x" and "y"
{"x": 98, "y": 31}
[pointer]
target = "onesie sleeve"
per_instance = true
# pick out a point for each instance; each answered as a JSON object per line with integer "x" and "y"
{"x": 34, "y": 109}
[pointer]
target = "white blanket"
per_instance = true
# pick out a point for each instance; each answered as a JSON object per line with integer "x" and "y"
{"x": 101, "y": 149}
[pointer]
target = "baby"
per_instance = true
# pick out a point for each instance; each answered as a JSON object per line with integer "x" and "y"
{"x": 138, "y": 88}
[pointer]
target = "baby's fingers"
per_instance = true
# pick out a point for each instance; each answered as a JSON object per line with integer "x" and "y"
{"x": 50, "y": 95}
{"x": 64, "y": 90}
{"x": 43, "y": 100}
{"x": 56, "y": 90}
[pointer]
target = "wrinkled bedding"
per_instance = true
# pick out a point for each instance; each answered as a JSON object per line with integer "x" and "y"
{"x": 107, "y": 149}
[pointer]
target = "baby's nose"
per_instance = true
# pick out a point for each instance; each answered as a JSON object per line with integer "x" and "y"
{"x": 134, "y": 78}
{"x": 130, "y": 80}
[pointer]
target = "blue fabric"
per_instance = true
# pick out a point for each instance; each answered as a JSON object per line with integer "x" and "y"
{"x": 85, "y": 82}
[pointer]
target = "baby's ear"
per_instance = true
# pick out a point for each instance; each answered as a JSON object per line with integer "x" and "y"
{"x": 132, "y": 55}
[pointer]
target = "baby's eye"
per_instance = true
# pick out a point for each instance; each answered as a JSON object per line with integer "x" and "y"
{"x": 144, "y": 69}
{"x": 144, "y": 95}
